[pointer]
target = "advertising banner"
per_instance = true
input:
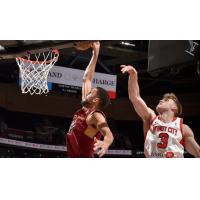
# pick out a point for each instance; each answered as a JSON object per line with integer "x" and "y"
{"x": 72, "y": 79}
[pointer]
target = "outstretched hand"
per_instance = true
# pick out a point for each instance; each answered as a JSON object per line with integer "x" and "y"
{"x": 100, "y": 147}
{"x": 128, "y": 69}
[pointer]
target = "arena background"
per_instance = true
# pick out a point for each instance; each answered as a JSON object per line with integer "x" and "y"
{"x": 35, "y": 126}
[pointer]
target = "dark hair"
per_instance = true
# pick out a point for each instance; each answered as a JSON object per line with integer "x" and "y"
{"x": 175, "y": 99}
{"x": 103, "y": 96}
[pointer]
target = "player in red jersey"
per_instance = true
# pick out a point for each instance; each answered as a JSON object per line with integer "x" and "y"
{"x": 165, "y": 135}
{"x": 89, "y": 123}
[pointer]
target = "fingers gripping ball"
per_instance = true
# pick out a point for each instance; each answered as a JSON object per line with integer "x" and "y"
{"x": 82, "y": 46}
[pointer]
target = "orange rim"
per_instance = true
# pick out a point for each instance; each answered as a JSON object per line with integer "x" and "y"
{"x": 55, "y": 51}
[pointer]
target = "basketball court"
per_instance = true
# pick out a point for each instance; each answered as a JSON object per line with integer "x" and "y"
{"x": 40, "y": 82}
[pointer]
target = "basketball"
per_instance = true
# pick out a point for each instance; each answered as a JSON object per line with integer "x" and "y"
{"x": 82, "y": 46}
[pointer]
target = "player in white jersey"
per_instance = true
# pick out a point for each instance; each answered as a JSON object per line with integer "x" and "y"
{"x": 165, "y": 134}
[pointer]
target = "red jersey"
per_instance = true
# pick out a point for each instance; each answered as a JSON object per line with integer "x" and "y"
{"x": 80, "y": 145}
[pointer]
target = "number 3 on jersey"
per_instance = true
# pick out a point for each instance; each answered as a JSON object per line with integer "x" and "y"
{"x": 164, "y": 140}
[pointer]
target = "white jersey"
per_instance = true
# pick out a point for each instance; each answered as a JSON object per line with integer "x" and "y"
{"x": 164, "y": 140}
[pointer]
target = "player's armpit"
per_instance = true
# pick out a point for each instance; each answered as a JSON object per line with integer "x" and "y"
{"x": 190, "y": 144}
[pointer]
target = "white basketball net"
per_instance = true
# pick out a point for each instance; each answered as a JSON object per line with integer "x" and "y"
{"x": 34, "y": 74}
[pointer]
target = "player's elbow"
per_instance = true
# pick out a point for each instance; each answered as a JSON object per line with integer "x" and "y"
{"x": 86, "y": 79}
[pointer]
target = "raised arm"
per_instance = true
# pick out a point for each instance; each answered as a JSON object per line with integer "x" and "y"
{"x": 190, "y": 144}
{"x": 134, "y": 94}
{"x": 89, "y": 72}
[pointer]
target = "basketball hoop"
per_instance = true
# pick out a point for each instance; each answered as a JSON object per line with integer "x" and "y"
{"x": 34, "y": 72}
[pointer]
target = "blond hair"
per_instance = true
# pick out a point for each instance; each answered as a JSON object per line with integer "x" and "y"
{"x": 175, "y": 99}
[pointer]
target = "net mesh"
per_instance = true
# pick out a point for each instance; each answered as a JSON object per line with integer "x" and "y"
{"x": 34, "y": 73}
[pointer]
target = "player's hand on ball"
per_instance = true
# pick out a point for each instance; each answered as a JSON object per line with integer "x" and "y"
{"x": 128, "y": 69}
{"x": 100, "y": 147}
